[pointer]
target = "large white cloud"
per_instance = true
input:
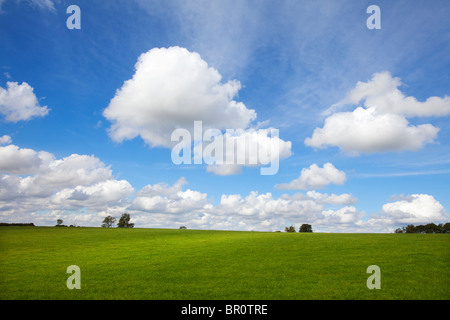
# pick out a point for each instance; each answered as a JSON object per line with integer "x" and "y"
{"x": 365, "y": 130}
{"x": 21, "y": 161}
{"x": 315, "y": 177}
{"x": 34, "y": 185}
{"x": 172, "y": 88}
{"x": 415, "y": 209}
{"x": 18, "y": 102}
{"x": 380, "y": 124}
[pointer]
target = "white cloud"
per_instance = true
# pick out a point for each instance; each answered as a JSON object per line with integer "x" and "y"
{"x": 18, "y": 102}
{"x": 315, "y": 177}
{"x": 21, "y": 161}
{"x": 415, "y": 209}
{"x": 382, "y": 93}
{"x": 34, "y": 185}
{"x": 5, "y": 139}
{"x": 111, "y": 192}
{"x": 171, "y": 89}
{"x": 346, "y": 215}
{"x": 164, "y": 199}
{"x": 163, "y": 205}
{"x": 364, "y": 130}
{"x": 380, "y": 125}
{"x": 248, "y": 148}
{"x": 81, "y": 190}
{"x": 73, "y": 170}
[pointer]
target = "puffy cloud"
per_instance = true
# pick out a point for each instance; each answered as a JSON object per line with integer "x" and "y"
{"x": 34, "y": 185}
{"x": 163, "y": 205}
{"x": 21, "y": 161}
{"x": 5, "y": 139}
{"x": 382, "y": 93}
{"x": 73, "y": 170}
{"x": 415, "y": 209}
{"x": 380, "y": 125}
{"x": 315, "y": 177}
{"x": 111, "y": 192}
{"x": 346, "y": 215}
{"x": 18, "y": 102}
{"x": 164, "y": 199}
{"x": 245, "y": 148}
{"x": 171, "y": 89}
{"x": 364, "y": 130}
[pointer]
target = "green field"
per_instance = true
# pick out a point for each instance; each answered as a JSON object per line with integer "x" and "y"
{"x": 194, "y": 264}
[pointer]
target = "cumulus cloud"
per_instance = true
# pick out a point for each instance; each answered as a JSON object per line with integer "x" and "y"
{"x": 170, "y": 206}
{"x": 21, "y": 161}
{"x": 364, "y": 130}
{"x": 18, "y": 102}
{"x": 380, "y": 124}
{"x": 172, "y": 88}
{"x": 415, "y": 209}
{"x": 35, "y": 185}
{"x": 81, "y": 189}
{"x": 161, "y": 198}
{"x": 382, "y": 93}
{"x": 240, "y": 148}
{"x": 315, "y": 177}
{"x": 5, "y": 139}
{"x": 175, "y": 89}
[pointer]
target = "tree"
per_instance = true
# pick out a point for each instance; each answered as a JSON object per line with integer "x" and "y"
{"x": 446, "y": 228}
{"x": 290, "y": 229}
{"x": 59, "y": 222}
{"x": 305, "y": 228}
{"x": 124, "y": 221}
{"x": 108, "y": 222}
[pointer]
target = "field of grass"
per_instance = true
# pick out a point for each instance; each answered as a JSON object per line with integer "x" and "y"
{"x": 193, "y": 264}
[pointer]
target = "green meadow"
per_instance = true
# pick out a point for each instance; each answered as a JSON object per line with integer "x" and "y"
{"x": 169, "y": 264}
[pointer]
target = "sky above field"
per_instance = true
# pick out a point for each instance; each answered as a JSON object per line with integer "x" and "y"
{"x": 348, "y": 109}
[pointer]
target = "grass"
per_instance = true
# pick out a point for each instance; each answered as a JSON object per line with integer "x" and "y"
{"x": 169, "y": 264}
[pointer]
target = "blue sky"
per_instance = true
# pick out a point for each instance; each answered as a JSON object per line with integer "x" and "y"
{"x": 362, "y": 113}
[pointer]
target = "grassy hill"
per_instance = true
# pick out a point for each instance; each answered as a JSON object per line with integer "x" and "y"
{"x": 194, "y": 264}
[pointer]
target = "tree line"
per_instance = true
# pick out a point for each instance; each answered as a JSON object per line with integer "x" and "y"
{"x": 124, "y": 221}
{"x": 425, "y": 228}
{"x": 303, "y": 228}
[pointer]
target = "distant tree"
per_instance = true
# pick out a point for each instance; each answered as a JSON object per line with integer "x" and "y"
{"x": 305, "y": 228}
{"x": 108, "y": 222}
{"x": 124, "y": 221}
{"x": 290, "y": 229}
{"x": 183, "y": 228}
{"x": 410, "y": 229}
{"x": 446, "y": 228}
{"x": 425, "y": 228}
{"x": 59, "y": 222}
